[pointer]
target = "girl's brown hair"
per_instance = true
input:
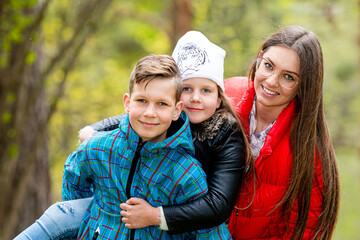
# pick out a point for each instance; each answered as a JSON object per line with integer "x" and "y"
{"x": 227, "y": 107}
{"x": 309, "y": 132}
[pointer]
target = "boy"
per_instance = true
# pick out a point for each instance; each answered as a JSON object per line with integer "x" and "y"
{"x": 150, "y": 156}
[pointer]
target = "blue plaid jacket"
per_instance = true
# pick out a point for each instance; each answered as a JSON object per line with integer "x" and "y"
{"x": 109, "y": 168}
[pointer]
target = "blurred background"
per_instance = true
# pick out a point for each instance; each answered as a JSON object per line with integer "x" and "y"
{"x": 66, "y": 64}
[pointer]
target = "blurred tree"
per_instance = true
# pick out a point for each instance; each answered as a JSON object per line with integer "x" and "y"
{"x": 28, "y": 100}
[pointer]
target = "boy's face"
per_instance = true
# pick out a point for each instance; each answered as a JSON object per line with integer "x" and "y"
{"x": 201, "y": 98}
{"x": 152, "y": 108}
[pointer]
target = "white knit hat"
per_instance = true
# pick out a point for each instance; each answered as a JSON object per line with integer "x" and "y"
{"x": 196, "y": 56}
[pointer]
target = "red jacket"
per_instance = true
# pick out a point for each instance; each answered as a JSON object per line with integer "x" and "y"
{"x": 273, "y": 170}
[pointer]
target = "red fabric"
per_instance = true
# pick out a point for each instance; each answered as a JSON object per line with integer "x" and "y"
{"x": 273, "y": 170}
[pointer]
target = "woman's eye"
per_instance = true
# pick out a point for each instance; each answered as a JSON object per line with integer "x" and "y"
{"x": 289, "y": 77}
{"x": 268, "y": 65}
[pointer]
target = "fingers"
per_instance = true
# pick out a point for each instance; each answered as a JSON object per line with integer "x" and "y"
{"x": 85, "y": 133}
{"x": 130, "y": 226}
{"x": 134, "y": 201}
{"x": 128, "y": 223}
{"x": 125, "y": 206}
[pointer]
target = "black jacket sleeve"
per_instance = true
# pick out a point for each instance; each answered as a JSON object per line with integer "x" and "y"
{"x": 225, "y": 173}
{"x": 107, "y": 124}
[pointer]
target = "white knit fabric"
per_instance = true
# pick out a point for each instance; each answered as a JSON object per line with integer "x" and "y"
{"x": 196, "y": 56}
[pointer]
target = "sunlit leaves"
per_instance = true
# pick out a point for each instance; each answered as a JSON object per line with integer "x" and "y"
{"x": 30, "y": 58}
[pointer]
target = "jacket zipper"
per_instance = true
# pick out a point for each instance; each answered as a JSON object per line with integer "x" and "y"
{"x": 131, "y": 176}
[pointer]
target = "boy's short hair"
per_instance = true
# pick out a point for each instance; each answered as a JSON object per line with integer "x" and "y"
{"x": 159, "y": 67}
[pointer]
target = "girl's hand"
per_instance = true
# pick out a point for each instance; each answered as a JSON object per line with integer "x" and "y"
{"x": 85, "y": 133}
{"x": 137, "y": 213}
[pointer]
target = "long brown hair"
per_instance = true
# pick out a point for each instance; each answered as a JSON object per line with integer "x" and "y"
{"x": 308, "y": 132}
{"x": 227, "y": 107}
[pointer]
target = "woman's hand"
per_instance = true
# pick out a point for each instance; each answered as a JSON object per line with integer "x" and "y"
{"x": 137, "y": 213}
{"x": 85, "y": 133}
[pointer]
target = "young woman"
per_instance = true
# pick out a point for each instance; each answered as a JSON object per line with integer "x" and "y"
{"x": 281, "y": 108}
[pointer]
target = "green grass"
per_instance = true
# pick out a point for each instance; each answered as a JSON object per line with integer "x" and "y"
{"x": 348, "y": 224}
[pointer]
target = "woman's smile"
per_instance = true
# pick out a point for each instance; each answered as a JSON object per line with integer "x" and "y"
{"x": 268, "y": 91}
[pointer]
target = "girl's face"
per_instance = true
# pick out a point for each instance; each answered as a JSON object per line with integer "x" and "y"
{"x": 201, "y": 98}
{"x": 269, "y": 92}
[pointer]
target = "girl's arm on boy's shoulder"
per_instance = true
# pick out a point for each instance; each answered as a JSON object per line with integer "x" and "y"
{"x": 106, "y": 124}
{"x": 224, "y": 178}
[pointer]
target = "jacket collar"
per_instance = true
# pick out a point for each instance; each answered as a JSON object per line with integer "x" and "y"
{"x": 281, "y": 127}
{"x": 211, "y": 127}
{"x": 180, "y": 137}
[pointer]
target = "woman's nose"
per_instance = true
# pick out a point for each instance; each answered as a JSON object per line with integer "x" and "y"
{"x": 273, "y": 79}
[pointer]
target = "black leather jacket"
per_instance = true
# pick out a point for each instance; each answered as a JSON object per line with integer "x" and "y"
{"x": 223, "y": 160}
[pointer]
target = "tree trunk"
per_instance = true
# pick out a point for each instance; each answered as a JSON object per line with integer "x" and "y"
{"x": 24, "y": 168}
{"x": 26, "y": 109}
{"x": 181, "y": 19}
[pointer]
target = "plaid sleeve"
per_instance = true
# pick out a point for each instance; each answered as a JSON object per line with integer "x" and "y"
{"x": 194, "y": 185}
{"x": 191, "y": 182}
{"x": 77, "y": 179}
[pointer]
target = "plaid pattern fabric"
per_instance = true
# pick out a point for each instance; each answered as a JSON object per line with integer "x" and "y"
{"x": 166, "y": 174}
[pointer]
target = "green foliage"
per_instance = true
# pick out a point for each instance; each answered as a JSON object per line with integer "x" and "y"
{"x": 6, "y": 117}
{"x": 349, "y": 168}
{"x": 30, "y": 58}
{"x": 13, "y": 151}
{"x": 13, "y": 21}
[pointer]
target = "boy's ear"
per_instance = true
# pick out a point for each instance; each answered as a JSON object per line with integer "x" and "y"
{"x": 178, "y": 109}
{"x": 127, "y": 103}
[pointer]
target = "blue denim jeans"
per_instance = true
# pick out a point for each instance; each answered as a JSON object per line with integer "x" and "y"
{"x": 60, "y": 220}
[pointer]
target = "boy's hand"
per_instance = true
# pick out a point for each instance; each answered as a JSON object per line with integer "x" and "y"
{"x": 137, "y": 213}
{"x": 85, "y": 133}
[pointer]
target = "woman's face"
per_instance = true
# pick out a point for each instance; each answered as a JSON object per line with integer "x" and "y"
{"x": 269, "y": 92}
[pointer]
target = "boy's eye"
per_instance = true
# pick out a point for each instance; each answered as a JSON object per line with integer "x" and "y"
{"x": 163, "y": 104}
{"x": 141, "y": 100}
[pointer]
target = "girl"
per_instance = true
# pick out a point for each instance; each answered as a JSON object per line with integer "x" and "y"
{"x": 220, "y": 145}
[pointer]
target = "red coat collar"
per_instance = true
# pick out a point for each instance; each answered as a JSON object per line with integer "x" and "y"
{"x": 281, "y": 127}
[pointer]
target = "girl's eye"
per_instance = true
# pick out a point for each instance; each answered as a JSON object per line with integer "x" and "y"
{"x": 186, "y": 89}
{"x": 206, "y": 90}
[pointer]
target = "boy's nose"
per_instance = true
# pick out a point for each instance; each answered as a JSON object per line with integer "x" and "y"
{"x": 150, "y": 111}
